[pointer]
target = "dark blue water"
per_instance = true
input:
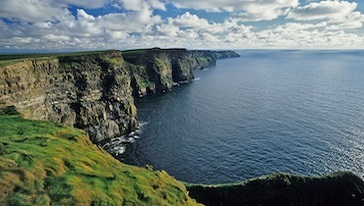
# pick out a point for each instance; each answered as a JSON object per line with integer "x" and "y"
{"x": 300, "y": 112}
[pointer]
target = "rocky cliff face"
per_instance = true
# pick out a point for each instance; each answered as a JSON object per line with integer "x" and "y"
{"x": 157, "y": 70}
{"x": 95, "y": 92}
{"x": 91, "y": 92}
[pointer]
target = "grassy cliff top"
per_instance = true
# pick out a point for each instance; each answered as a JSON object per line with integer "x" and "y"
{"x": 42, "y": 163}
{"x": 142, "y": 50}
{"x": 12, "y": 58}
{"x": 6, "y": 59}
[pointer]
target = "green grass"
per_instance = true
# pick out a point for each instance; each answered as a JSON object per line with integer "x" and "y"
{"x": 143, "y": 50}
{"x": 6, "y": 59}
{"x": 143, "y": 83}
{"x": 160, "y": 63}
{"x": 11, "y": 59}
{"x": 204, "y": 60}
{"x": 42, "y": 163}
{"x": 113, "y": 61}
{"x": 135, "y": 51}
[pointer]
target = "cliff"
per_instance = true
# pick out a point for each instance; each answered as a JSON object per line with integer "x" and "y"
{"x": 157, "y": 70}
{"x": 94, "y": 91}
{"x": 42, "y": 163}
{"x": 90, "y": 92}
{"x": 339, "y": 189}
{"x": 225, "y": 54}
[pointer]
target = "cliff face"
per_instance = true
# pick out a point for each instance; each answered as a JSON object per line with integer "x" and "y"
{"x": 91, "y": 92}
{"x": 157, "y": 70}
{"x": 95, "y": 92}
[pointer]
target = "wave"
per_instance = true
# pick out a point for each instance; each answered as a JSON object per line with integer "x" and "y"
{"x": 142, "y": 124}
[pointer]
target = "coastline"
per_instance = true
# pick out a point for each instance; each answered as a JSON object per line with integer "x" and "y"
{"x": 114, "y": 69}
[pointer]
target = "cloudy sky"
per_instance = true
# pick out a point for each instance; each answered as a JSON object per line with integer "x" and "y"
{"x": 194, "y": 24}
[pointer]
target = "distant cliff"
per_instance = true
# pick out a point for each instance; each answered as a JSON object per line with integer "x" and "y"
{"x": 157, "y": 70}
{"x": 225, "y": 54}
{"x": 95, "y": 91}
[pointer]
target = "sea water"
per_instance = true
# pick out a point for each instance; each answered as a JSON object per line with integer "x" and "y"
{"x": 294, "y": 111}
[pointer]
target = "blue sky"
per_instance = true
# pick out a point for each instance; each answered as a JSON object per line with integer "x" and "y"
{"x": 194, "y": 24}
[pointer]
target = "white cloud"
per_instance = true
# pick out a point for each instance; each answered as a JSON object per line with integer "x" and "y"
{"x": 199, "y": 32}
{"x": 53, "y": 37}
{"x": 303, "y": 35}
{"x": 80, "y": 31}
{"x": 132, "y": 5}
{"x": 168, "y": 30}
{"x": 32, "y": 11}
{"x": 333, "y": 10}
{"x": 353, "y": 21}
{"x": 192, "y": 21}
{"x": 246, "y": 10}
{"x": 87, "y": 4}
{"x": 48, "y": 24}
{"x": 139, "y": 5}
{"x": 259, "y": 15}
{"x": 339, "y": 15}
{"x": 234, "y": 5}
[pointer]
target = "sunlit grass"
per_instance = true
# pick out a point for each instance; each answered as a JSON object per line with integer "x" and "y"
{"x": 43, "y": 163}
{"x": 6, "y": 59}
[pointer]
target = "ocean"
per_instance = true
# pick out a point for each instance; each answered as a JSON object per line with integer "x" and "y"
{"x": 294, "y": 111}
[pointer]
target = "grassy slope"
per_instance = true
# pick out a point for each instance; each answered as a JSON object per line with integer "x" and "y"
{"x": 341, "y": 188}
{"x": 42, "y": 163}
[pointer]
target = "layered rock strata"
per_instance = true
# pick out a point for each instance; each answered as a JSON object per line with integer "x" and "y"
{"x": 90, "y": 92}
{"x": 157, "y": 70}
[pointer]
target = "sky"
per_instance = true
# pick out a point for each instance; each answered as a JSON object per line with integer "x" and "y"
{"x": 45, "y": 25}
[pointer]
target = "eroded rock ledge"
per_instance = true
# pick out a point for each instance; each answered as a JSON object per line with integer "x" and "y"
{"x": 95, "y": 91}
